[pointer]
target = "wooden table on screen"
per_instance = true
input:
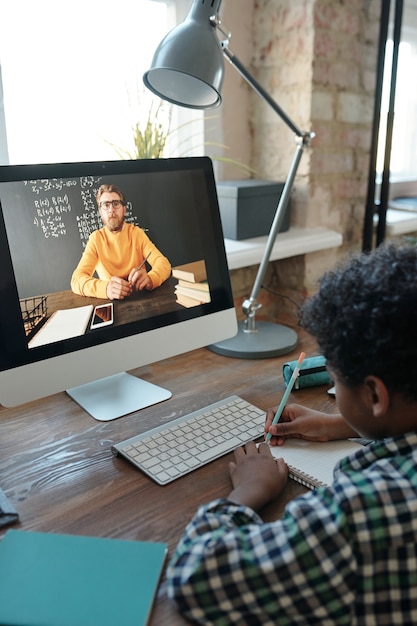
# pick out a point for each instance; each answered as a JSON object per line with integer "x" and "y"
{"x": 57, "y": 468}
{"x": 138, "y": 306}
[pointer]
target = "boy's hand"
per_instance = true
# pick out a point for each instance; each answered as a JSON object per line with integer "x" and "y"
{"x": 303, "y": 423}
{"x": 256, "y": 476}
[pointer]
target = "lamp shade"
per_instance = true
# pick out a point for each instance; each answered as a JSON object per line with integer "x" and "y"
{"x": 188, "y": 66}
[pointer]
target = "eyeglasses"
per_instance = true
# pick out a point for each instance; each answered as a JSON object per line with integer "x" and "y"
{"x": 116, "y": 204}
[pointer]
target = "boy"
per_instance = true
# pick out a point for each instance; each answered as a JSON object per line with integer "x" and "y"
{"x": 343, "y": 555}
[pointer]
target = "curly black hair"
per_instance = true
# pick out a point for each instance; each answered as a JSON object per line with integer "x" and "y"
{"x": 364, "y": 317}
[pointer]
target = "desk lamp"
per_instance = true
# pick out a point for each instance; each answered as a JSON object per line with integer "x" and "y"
{"x": 187, "y": 69}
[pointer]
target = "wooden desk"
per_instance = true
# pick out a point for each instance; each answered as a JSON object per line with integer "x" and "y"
{"x": 56, "y": 465}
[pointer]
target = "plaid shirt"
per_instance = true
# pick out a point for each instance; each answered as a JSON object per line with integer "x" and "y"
{"x": 343, "y": 555}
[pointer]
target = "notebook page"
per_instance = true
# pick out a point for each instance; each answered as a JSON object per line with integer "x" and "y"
{"x": 312, "y": 463}
{"x": 63, "y": 324}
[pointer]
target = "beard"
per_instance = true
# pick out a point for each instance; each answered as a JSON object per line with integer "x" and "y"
{"x": 114, "y": 224}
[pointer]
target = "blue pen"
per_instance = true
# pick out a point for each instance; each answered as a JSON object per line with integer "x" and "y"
{"x": 287, "y": 393}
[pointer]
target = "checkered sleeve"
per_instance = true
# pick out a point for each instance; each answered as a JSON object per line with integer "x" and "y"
{"x": 231, "y": 568}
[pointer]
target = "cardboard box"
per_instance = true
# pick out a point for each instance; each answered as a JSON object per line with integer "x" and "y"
{"x": 247, "y": 207}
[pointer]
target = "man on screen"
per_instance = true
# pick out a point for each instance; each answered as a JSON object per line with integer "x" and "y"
{"x": 118, "y": 253}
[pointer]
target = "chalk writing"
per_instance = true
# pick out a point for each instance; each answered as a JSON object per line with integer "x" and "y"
{"x": 44, "y": 185}
{"x": 50, "y": 221}
{"x": 52, "y": 209}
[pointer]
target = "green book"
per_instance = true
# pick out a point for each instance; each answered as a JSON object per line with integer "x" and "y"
{"x": 66, "y": 580}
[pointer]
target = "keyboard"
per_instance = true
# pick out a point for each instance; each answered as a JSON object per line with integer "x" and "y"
{"x": 183, "y": 445}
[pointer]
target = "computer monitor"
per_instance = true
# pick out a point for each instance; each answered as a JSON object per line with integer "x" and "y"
{"x": 47, "y": 213}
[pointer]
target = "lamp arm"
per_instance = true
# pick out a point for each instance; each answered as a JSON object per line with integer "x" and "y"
{"x": 250, "y": 306}
{"x": 303, "y": 139}
{"x": 251, "y": 80}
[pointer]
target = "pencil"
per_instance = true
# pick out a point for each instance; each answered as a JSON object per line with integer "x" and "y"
{"x": 287, "y": 393}
{"x": 143, "y": 262}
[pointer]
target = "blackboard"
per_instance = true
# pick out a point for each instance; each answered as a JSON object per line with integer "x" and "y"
{"x": 48, "y": 221}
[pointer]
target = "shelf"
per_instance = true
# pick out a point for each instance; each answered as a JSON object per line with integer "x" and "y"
{"x": 400, "y": 222}
{"x": 294, "y": 242}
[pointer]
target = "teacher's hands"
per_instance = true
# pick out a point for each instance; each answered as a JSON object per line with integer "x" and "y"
{"x": 139, "y": 279}
{"x": 118, "y": 288}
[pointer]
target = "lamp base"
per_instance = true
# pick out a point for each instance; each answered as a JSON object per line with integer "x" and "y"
{"x": 267, "y": 341}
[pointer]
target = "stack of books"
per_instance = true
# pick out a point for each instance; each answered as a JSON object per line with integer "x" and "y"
{"x": 192, "y": 288}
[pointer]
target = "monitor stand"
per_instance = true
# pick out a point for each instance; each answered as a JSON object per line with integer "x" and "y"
{"x": 112, "y": 397}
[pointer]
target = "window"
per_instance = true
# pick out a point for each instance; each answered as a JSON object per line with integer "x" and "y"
{"x": 403, "y": 165}
{"x": 72, "y": 76}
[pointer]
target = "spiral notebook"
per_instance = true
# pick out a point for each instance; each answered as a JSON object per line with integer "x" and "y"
{"x": 312, "y": 463}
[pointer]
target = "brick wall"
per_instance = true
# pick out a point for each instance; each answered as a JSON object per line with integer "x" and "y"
{"x": 344, "y": 71}
{"x": 318, "y": 60}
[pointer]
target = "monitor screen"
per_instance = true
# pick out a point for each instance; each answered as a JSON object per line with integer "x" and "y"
{"x": 161, "y": 246}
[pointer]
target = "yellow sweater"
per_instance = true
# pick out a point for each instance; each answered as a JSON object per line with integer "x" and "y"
{"x": 110, "y": 254}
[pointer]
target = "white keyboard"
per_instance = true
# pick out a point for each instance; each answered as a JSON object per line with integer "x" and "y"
{"x": 188, "y": 442}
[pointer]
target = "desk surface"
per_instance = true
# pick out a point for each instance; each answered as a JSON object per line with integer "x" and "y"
{"x": 57, "y": 468}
